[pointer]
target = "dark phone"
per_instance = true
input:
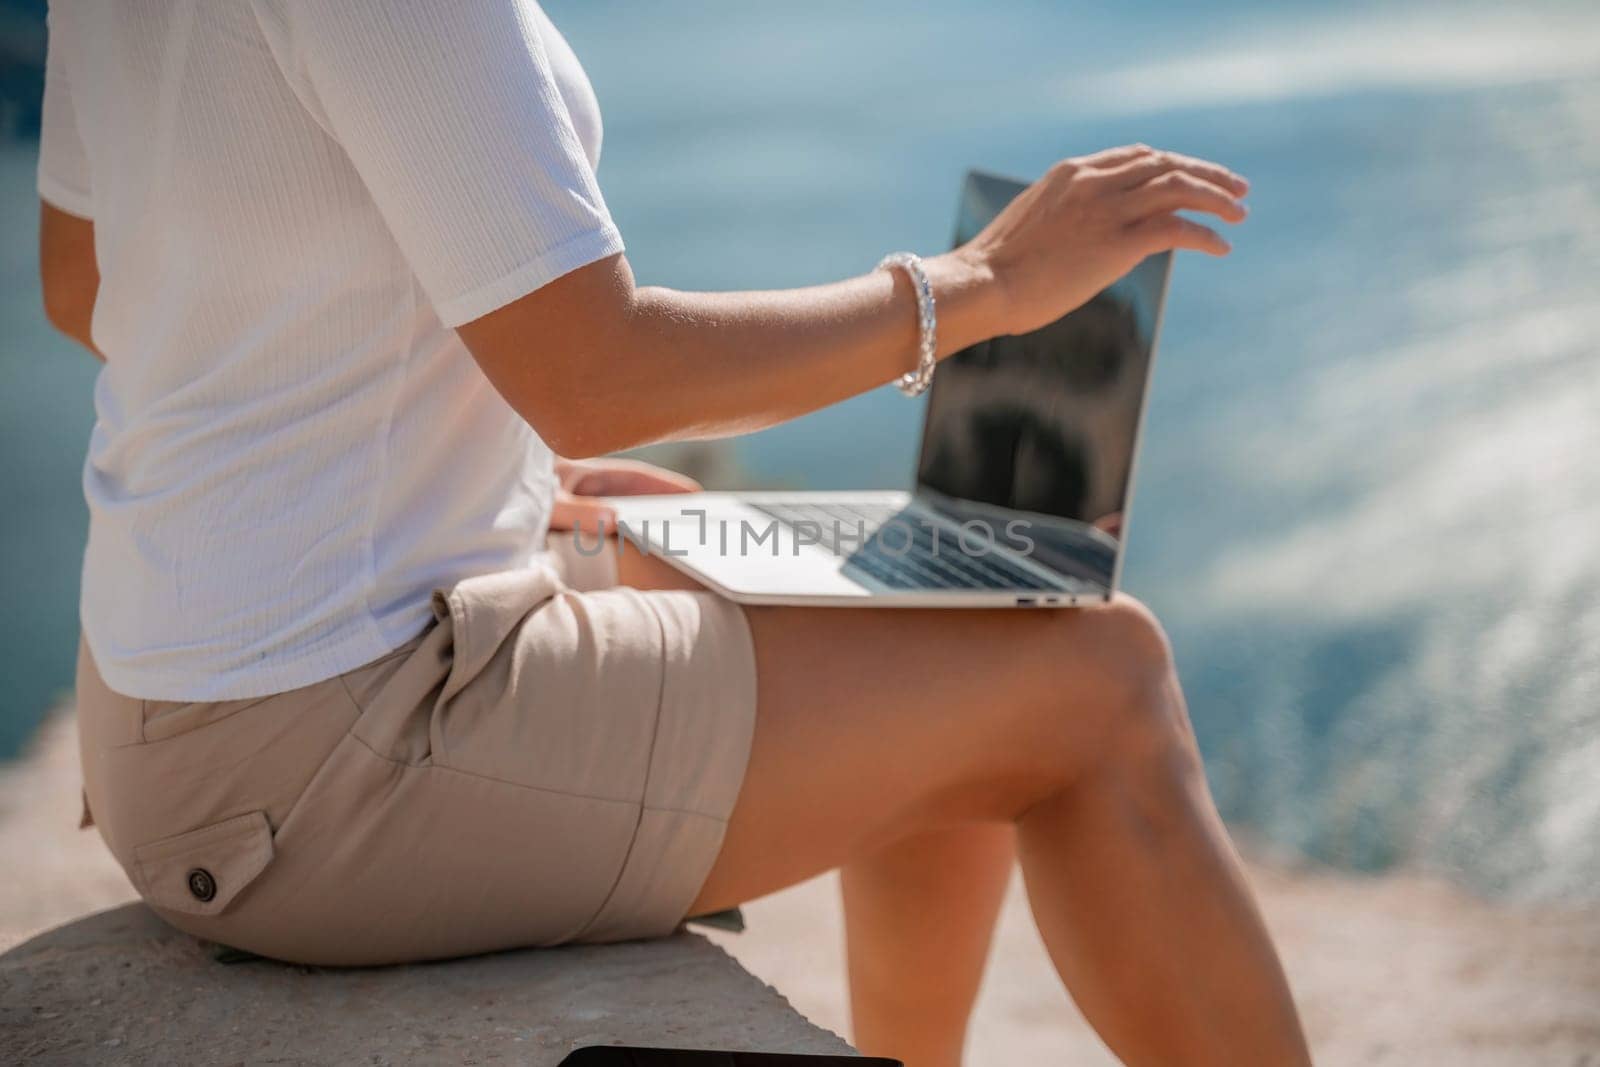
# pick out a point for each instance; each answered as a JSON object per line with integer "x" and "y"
{"x": 618, "y": 1056}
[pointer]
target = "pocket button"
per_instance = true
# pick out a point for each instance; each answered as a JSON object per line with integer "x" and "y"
{"x": 202, "y": 886}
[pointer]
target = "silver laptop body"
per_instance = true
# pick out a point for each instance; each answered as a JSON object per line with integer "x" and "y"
{"x": 1022, "y": 489}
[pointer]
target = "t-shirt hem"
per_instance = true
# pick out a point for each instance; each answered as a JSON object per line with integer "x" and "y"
{"x": 59, "y": 195}
{"x": 255, "y": 680}
{"x": 578, "y": 252}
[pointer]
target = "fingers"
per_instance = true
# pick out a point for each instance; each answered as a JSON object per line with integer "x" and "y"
{"x": 1137, "y": 170}
{"x": 571, "y": 512}
{"x": 630, "y": 478}
{"x": 1115, "y": 157}
{"x": 1161, "y": 233}
{"x": 1178, "y": 190}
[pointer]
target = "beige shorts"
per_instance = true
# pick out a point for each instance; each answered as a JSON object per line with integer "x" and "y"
{"x": 553, "y": 760}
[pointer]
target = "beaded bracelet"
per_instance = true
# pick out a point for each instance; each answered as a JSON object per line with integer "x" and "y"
{"x": 916, "y": 382}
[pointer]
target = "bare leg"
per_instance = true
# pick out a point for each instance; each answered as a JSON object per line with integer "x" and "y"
{"x": 919, "y": 917}
{"x": 878, "y": 726}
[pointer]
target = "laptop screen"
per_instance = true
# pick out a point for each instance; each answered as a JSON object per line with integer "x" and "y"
{"x": 1032, "y": 437}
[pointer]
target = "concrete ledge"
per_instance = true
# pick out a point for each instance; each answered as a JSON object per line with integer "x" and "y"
{"x": 123, "y": 987}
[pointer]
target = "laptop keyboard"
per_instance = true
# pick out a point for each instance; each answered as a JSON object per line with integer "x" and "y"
{"x": 904, "y": 557}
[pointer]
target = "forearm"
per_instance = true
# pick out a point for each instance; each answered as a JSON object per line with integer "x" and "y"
{"x": 665, "y": 365}
{"x": 714, "y": 364}
{"x": 77, "y": 328}
{"x": 68, "y": 275}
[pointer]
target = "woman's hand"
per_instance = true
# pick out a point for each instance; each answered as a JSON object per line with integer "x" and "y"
{"x": 1090, "y": 220}
{"x": 580, "y": 483}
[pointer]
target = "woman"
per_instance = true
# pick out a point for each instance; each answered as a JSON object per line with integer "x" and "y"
{"x": 353, "y": 281}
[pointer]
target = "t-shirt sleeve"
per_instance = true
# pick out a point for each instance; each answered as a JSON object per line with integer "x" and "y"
{"x": 450, "y": 114}
{"x": 63, "y": 165}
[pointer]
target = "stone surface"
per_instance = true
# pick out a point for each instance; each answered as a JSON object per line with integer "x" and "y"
{"x": 123, "y": 987}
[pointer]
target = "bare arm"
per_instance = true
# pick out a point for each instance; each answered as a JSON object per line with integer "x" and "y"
{"x": 612, "y": 366}
{"x": 597, "y": 364}
{"x": 68, "y": 273}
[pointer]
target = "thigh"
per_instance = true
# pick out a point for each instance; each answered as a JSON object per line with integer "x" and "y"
{"x": 873, "y": 725}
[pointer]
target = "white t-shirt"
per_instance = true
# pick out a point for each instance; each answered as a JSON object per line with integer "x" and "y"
{"x": 293, "y": 204}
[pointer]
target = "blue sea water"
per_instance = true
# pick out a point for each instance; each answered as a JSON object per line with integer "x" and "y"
{"x": 1369, "y": 497}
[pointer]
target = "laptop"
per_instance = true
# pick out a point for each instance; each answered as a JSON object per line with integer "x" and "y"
{"x": 1021, "y": 490}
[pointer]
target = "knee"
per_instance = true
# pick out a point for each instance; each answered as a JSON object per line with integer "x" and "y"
{"x": 1124, "y": 707}
{"x": 1146, "y": 735}
{"x": 1125, "y": 659}
{"x": 1132, "y": 638}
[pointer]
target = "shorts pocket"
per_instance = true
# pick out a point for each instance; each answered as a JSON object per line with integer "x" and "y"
{"x": 201, "y": 872}
{"x": 163, "y": 720}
